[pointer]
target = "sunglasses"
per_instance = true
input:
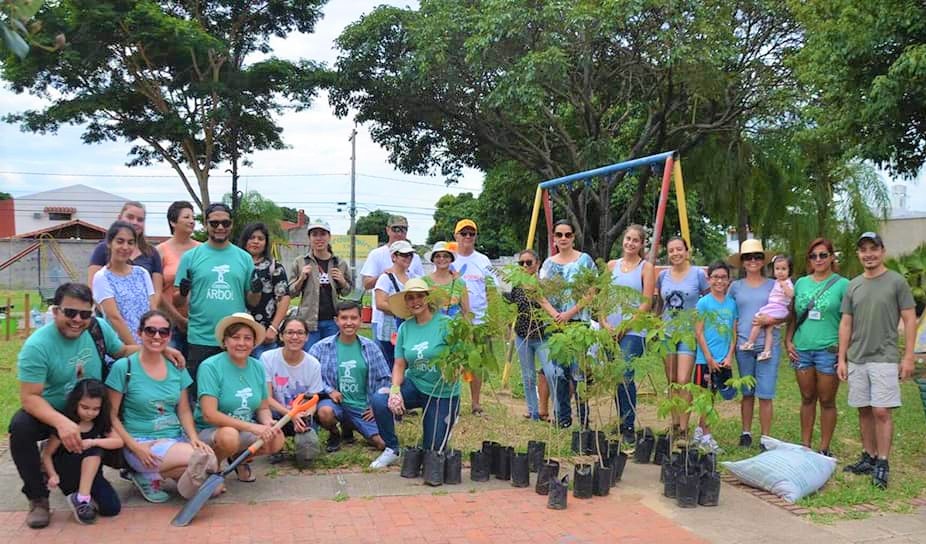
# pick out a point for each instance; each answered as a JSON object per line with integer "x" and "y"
{"x": 819, "y": 256}
{"x": 526, "y": 263}
{"x": 406, "y": 255}
{"x": 71, "y": 313}
{"x": 754, "y": 257}
{"x": 151, "y": 332}
{"x": 566, "y": 235}
{"x": 467, "y": 233}
{"x": 399, "y": 229}
{"x": 224, "y": 223}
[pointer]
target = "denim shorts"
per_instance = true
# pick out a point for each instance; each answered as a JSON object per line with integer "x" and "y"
{"x": 823, "y": 361}
{"x": 765, "y": 372}
{"x": 159, "y": 447}
{"x": 680, "y": 348}
{"x": 345, "y": 413}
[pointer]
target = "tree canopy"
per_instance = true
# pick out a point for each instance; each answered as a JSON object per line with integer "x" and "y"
{"x": 561, "y": 86}
{"x": 171, "y": 77}
{"x": 373, "y": 223}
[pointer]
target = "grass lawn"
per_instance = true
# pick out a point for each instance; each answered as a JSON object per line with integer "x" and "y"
{"x": 503, "y": 423}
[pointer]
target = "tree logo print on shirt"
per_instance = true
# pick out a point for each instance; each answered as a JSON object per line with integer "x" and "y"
{"x": 220, "y": 289}
{"x": 675, "y": 301}
{"x": 347, "y": 382}
{"x": 77, "y": 363}
{"x": 243, "y": 412}
{"x": 165, "y": 418}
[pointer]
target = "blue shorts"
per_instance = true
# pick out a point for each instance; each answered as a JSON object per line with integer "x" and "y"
{"x": 823, "y": 361}
{"x": 679, "y": 348}
{"x": 765, "y": 372}
{"x": 355, "y": 417}
{"x": 159, "y": 447}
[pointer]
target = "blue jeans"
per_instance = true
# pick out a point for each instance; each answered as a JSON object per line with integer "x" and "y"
{"x": 765, "y": 372}
{"x": 388, "y": 350}
{"x": 259, "y": 349}
{"x": 527, "y": 349}
{"x": 631, "y": 347}
{"x": 178, "y": 340}
{"x": 561, "y": 378}
{"x": 385, "y": 421}
{"x": 437, "y": 421}
{"x": 325, "y": 329}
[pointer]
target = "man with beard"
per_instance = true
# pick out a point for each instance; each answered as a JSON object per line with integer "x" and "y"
{"x": 217, "y": 277}
{"x": 869, "y": 358}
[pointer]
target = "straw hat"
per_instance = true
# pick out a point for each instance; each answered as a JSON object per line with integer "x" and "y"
{"x": 749, "y": 246}
{"x": 438, "y": 248}
{"x": 240, "y": 317}
{"x": 397, "y": 300}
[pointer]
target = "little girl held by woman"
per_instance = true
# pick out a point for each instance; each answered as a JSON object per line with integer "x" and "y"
{"x": 80, "y": 475}
{"x": 779, "y": 302}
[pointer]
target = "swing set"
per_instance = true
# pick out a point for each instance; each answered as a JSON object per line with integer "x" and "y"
{"x": 672, "y": 170}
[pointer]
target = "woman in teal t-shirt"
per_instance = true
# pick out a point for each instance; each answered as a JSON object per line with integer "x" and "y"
{"x": 416, "y": 380}
{"x": 813, "y": 343}
{"x": 234, "y": 407}
{"x": 151, "y": 413}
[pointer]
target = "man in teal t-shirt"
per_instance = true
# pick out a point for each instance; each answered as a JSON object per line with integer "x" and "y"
{"x": 356, "y": 378}
{"x": 50, "y": 363}
{"x": 217, "y": 277}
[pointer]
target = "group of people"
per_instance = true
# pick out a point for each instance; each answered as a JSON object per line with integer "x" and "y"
{"x": 177, "y": 357}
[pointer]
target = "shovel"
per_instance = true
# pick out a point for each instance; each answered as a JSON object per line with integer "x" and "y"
{"x": 214, "y": 481}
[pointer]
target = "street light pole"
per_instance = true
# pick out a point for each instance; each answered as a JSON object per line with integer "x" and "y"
{"x": 353, "y": 205}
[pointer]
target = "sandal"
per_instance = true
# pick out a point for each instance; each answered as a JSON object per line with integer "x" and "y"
{"x": 747, "y": 346}
{"x": 244, "y": 473}
{"x": 765, "y": 355}
{"x": 477, "y": 411}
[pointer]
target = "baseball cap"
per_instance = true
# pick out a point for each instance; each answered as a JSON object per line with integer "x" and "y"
{"x": 401, "y": 246}
{"x": 871, "y": 236}
{"x": 463, "y": 223}
{"x": 397, "y": 221}
{"x": 318, "y": 224}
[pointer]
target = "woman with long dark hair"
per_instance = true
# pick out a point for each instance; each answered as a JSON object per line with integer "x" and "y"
{"x": 143, "y": 255}
{"x": 274, "y": 292}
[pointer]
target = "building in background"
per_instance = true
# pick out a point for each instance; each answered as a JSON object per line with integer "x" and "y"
{"x": 68, "y": 207}
{"x": 905, "y": 229}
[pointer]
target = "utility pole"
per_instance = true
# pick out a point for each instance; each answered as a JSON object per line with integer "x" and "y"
{"x": 353, "y": 205}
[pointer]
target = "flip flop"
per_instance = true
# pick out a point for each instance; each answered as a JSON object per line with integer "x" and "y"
{"x": 248, "y": 475}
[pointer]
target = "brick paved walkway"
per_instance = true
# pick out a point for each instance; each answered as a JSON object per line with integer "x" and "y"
{"x": 511, "y": 516}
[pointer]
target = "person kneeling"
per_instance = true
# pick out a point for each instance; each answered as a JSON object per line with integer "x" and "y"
{"x": 356, "y": 378}
{"x": 234, "y": 407}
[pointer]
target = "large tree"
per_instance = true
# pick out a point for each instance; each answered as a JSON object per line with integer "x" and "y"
{"x": 171, "y": 77}
{"x": 866, "y": 62}
{"x": 561, "y": 86}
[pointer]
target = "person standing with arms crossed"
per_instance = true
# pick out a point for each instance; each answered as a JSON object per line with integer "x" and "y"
{"x": 869, "y": 358}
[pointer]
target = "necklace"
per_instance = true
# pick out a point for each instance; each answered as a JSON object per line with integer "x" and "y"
{"x": 627, "y": 268}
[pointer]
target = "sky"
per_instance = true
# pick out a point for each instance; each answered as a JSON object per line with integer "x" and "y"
{"x": 317, "y": 164}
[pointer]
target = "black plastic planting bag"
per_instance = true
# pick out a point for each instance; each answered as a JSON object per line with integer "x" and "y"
{"x": 433, "y": 471}
{"x": 601, "y": 480}
{"x": 480, "y": 468}
{"x": 536, "y": 451}
{"x": 549, "y": 471}
{"x": 559, "y": 491}
{"x": 453, "y": 467}
{"x": 504, "y": 463}
{"x": 643, "y": 452}
{"x": 709, "y": 494}
{"x": 688, "y": 486}
{"x": 662, "y": 449}
{"x": 582, "y": 482}
{"x": 411, "y": 462}
{"x": 520, "y": 470}
{"x": 617, "y": 463}
{"x": 669, "y": 480}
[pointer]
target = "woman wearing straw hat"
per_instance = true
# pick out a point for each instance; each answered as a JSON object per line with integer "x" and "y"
{"x": 450, "y": 289}
{"x": 416, "y": 380}
{"x": 234, "y": 406}
{"x": 750, "y": 294}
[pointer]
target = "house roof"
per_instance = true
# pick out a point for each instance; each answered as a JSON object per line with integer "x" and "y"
{"x": 75, "y": 193}
{"x": 74, "y": 228}
{"x": 60, "y": 209}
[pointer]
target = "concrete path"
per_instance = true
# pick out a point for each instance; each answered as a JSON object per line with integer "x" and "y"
{"x": 383, "y": 507}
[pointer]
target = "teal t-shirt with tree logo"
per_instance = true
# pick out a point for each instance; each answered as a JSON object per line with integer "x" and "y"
{"x": 421, "y": 346}
{"x": 352, "y": 375}
{"x": 149, "y": 406}
{"x": 239, "y": 391}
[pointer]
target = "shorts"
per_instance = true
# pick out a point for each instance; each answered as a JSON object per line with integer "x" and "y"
{"x": 715, "y": 381}
{"x": 823, "y": 361}
{"x": 346, "y": 414}
{"x": 875, "y": 385}
{"x": 159, "y": 448}
{"x": 765, "y": 372}
{"x": 679, "y": 348}
{"x": 245, "y": 438}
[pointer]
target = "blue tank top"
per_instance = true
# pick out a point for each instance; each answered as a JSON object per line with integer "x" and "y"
{"x": 632, "y": 279}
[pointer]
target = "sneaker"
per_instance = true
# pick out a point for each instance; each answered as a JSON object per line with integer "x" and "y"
{"x": 880, "y": 474}
{"x": 762, "y": 448}
{"x": 865, "y": 465}
{"x": 347, "y": 436}
{"x": 628, "y": 436}
{"x": 746, "y": 440}
{"x": 39, "y": 513}
{"x": 276, "y": 458}
{"x": 385, "y": 459}
{"x": 84, "y": 512}
{"x": 149, "y": 489}
{"x": 698, "y": 435}
{"x": 825, "y": 453}
{"x": 333, "y": 443}
{"x": 707, "y": 442}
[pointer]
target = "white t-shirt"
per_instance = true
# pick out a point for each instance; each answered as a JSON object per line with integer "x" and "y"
{"x": 384, "y": 284}
{"x": 377, "y": 262}
{"x": 474, "y": 269}
{"x": 288, "y": 381}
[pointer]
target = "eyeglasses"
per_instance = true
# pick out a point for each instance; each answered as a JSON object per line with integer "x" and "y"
{"x": 163, "y": 332}
{"x": 467, "y": 233}
{"x": 294, "y": 333}
{"x": 566, "y": 235}
{"x": 399, "y": 229}
{"x": 441, "y": 256}
{"x": 819, "y": 256}
{"x": 224, "y": 223}
{"x": 720, "y": 278}
{"x": 71, "y": 313}
{"x": 754, "y": 257}
{"x": 526, "y": 263}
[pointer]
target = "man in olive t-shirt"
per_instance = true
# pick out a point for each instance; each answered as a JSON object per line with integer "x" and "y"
{"x": 869, "y": 355}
